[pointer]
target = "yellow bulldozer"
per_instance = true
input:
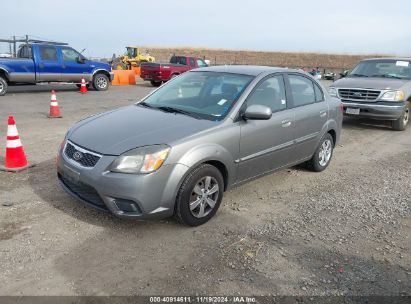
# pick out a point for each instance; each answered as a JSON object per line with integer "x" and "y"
{"x": 132, "y": 58}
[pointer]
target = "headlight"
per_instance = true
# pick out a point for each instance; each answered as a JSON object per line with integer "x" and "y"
{"x": 141, "y": 160}
{"x": 393, "y": 96}
{"x": 333, "y": 92}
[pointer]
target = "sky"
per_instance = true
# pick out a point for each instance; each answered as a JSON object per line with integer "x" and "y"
{"x": 105, "y": 27}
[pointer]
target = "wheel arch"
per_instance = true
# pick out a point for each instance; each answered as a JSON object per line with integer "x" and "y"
{"x": 100, "y": 71}
{"x": 211, "y": 154}
{"x": 221, "y": 167}
{"x": 333, "y": 134}
{"x": 4, "y": 74}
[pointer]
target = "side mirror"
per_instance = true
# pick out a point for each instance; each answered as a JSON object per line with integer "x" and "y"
{"x": 257, "y": 112}
{"x": 80, "y": 59}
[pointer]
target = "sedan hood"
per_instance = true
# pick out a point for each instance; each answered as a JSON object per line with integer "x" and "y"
{"x": 370, "y": 83}
{"x": 115, "y": 132}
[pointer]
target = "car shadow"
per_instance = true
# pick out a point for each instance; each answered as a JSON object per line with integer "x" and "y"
{"x": 43, "y": 180}
{"x": 145, "y": 84}
{"x": 353, "y": 123}
{"x": 41, "y": 88}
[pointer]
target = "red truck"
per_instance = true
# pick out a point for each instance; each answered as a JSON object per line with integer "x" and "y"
{"x": 157, "y": 73}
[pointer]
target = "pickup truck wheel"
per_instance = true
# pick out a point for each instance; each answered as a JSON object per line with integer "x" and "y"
{"x": 401, "y": 123}
{"x": 155, "y": 83}
{"x": 199, "y": 196}
{"x": 3, "y": 86}
{"x": 100, "y": 82}
{"x": 322, "y": 155}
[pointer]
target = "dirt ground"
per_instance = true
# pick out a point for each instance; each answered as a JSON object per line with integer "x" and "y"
{"x": 345, "y": 231}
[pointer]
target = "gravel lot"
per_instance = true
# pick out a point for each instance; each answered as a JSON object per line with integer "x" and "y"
{"x": 345, "y": 231}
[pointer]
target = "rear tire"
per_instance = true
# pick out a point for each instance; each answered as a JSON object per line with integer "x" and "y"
{"x": 101, "y": 82}
{"x": 322, "y": 155}
{"x": 3, "y": 86}
{"x": 401, "y": 123}
{"x": 199, "y": 196}
{"x": 155, "y": 83}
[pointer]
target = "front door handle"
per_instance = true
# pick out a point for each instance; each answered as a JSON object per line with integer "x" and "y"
{"x": 323, "y": 113}
{"x": 286, "y": 123}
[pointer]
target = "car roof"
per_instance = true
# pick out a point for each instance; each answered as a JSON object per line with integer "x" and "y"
{"x": 252, "y": 70}
{"x": 388, "y": 58}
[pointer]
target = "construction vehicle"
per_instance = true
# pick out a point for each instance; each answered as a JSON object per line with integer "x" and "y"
{"x": 132, "y": 58}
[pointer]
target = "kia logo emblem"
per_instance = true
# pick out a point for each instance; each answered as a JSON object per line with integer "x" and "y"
{"x": 77, "y": 155}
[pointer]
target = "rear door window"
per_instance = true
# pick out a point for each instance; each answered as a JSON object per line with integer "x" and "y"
{"x": 48, "y": 53}
{"x": 24, "y": 52}
{"x": 302, "y": 90}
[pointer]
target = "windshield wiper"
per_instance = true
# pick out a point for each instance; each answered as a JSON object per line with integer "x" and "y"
{"x": 386, "y": 76}
{"x": 145, "y": 104}
{"x": 176, "y": 110}
{"x": 357, "y": 75}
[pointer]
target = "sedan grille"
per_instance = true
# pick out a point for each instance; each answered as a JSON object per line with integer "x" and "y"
{"x": 80, "y": 156}
{"x": 359, "y": 94}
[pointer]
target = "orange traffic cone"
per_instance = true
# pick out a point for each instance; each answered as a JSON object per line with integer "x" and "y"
{"x": 15, "y": 158}
{"x": 83, "y": 87}
{"x": 54, "y": 106}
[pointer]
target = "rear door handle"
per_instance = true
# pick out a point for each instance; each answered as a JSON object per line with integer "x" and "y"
{"x": 323, "y": 113}
{"x": 286, "y": 123}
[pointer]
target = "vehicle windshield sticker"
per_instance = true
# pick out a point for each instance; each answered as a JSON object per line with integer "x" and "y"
{"x": 402, "y": 63}
{"x": 222, "y": 101}
{"x": 283, "y": 101}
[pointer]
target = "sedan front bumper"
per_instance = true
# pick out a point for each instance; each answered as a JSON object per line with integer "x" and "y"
{"x": 140, "y": 196}
{"x": 376, "y": 110}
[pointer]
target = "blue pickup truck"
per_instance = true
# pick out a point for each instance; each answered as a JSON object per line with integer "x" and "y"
{"x": 48, "y": 62}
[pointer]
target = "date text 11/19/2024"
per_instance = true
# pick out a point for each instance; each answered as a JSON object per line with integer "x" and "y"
{"x": 203, "y": 299}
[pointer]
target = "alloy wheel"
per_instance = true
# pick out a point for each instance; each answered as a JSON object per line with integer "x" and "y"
{"x": 101, "y": 82}
{"x": 324, "y": 154}
{"x": 204, "y": 196}
{"x": 406, "y": 115}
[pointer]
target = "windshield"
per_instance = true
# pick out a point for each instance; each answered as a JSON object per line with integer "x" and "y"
{"x": 131, "y": 52}
{"x": 205, "y": 95}
{"x": 386, "y": 68}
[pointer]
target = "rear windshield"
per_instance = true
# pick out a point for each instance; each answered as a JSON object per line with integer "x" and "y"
{"x": 178, "y": 60}
{"x": 205, "y": 95}
{"x": 384, "y": 68}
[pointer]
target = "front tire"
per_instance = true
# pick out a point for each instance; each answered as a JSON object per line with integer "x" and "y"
{"x": 3, "y": 86}
{"x": 101, "y": 82}
{"x": 322, "y": 155}
{"x": 155, "y": 83}
{"x": 401, "y": 123}
{"x": 199, "y": 196}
